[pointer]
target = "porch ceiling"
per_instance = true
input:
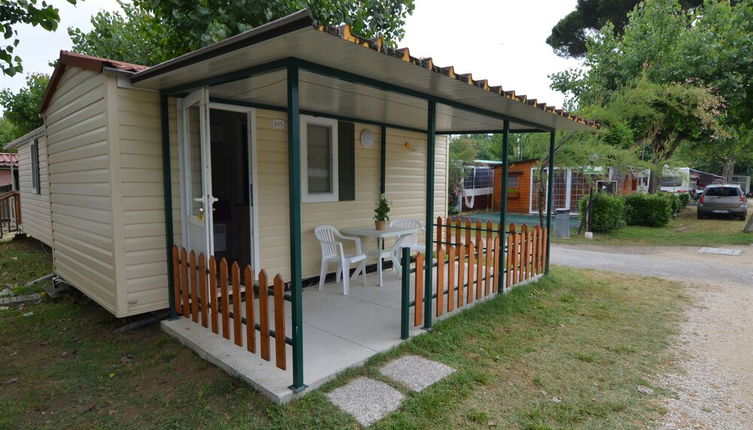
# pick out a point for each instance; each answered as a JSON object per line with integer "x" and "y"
{"x": 334, "y": 97}
{"x": 296, "y": 37}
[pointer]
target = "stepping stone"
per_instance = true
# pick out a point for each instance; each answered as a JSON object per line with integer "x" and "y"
{"x": 415, "y": 372}
{"x": 366, "y": 399}
{"x": 720, "y": 251}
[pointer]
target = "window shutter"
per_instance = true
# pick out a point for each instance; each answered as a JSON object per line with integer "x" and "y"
{"x": 346, "y": 154}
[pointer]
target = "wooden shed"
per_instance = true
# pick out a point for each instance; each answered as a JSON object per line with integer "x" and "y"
{"x": 518, "y": 188}
{"x": 569, "y": 186}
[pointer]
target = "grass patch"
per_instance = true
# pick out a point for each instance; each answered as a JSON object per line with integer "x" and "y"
{"x": 566, "y": 352}
{"x": 21, "y": 261}
{"x": 685, "y": 230}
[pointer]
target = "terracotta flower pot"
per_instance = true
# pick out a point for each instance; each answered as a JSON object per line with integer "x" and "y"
{"x": 380, "y": 225}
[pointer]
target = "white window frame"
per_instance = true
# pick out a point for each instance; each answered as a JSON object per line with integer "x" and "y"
{"x": 307, "y": 197}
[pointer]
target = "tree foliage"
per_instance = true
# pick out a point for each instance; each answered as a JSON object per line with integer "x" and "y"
{"x": 8, "y": 132}
{"x": 658, "y": 117}
{"x": 22, "y": 108}
{"x": 570, "y": 35}
{"x": 134, "y": 36}
{"x": 704, "y": 54}
{"x": 15, "y": 12}
{"x": 152, "y": 31}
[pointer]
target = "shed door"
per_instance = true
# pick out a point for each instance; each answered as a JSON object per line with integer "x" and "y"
{"x": 197, "y": 173}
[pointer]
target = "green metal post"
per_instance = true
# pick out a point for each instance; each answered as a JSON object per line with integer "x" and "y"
{"x": 383, "y": 160}
{"x": 502, "y": 228}
{"x": 431, "y": 127}
{"x": 405, "y": 296}
{"x": 167, "y": 192}
{"x": 294, "y": 175}
{"x": 549, "y": 193}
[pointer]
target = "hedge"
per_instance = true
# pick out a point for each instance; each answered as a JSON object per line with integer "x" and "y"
{"x": 676, "y": 202}
{"x": 685, "y": 199}
{"x": 606, "y": 212}
{"x": 650, "y": 210}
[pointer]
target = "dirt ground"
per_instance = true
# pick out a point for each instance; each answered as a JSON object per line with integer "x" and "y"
{"x": 713, "y": 383}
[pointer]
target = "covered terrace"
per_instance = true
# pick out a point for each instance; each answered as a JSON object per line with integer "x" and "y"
{"x": 298, "y": 67}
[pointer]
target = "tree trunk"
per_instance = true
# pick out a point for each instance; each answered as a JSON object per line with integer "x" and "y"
{"x": 654, "y": 182}
{"x": 729, "y": 167}
{"x": 749, "y": 226}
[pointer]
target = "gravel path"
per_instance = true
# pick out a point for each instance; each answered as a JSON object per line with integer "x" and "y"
{"x": 714, "y": 384}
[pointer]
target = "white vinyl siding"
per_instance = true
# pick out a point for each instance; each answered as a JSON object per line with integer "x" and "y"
{"x": 80, "y": 185}
{"x": 143, "y": 211}
{"x": 36, "y": 218}
{"x": 406, "y": 189}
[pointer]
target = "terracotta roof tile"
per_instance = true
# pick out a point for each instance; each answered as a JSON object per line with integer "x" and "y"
{"x": 8, "y": 159}
{"x": 345, "y": 33}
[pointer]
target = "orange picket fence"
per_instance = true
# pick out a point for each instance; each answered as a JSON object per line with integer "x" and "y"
{"x": 468, "y": 260}
{"x": 230, "y": 301}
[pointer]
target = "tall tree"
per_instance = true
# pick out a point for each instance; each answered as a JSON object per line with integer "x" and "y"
{"x": 660, "y": 117}
{"x": 22, "y": 107}
{"x": 134, "y": 36}
{"x": 15, "y": 12}
{"x": 570, "y": 34}
{"x": 151, "y": 31}
{"x": 709, "y": 47}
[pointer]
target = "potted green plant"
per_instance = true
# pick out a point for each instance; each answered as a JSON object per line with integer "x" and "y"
{"x": 381, "y": 213}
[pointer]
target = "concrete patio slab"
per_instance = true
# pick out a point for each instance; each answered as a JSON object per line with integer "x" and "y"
{"x": 415, "y": 372}
{"x": 366, "y": 399}
{"x": 339, "y": 332}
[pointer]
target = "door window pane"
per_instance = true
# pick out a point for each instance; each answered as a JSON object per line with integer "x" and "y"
{"x": 194, "y": 159}
{"x": 319, "y": 151}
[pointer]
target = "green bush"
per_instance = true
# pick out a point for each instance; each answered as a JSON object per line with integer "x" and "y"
{"x": 606, "y": 212}
{"x": 684, "y": 199}
{"x": 650, "y": 210}
{"x": 675, "y": 202}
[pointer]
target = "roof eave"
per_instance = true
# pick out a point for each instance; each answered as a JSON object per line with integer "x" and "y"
{"x": 284, "y": 25}
{"x": 303, "y": 19}
{"x": 26, "y": 137}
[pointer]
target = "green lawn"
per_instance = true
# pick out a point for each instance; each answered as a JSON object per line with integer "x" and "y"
{"x": 22, "y": 261}
{"x": 588, "y": 338}
{"x": 685, "y": 230}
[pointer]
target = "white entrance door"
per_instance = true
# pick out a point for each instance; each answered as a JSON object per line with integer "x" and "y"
{"x": 196, "y": 173}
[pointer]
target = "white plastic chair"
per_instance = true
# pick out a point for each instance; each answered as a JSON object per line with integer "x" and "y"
{"x": 332, "y": 252}
{"x": 409, "y": 241}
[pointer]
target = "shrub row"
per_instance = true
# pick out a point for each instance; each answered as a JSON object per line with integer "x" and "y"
{"x": 650, "y": 210}
{"x": 609, "y": 213}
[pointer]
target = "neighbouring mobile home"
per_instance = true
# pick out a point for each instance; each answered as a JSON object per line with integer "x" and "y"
{"x": 570, "y": 184}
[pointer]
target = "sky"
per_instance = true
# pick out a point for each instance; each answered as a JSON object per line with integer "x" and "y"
{"x": 499, "y": 40}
